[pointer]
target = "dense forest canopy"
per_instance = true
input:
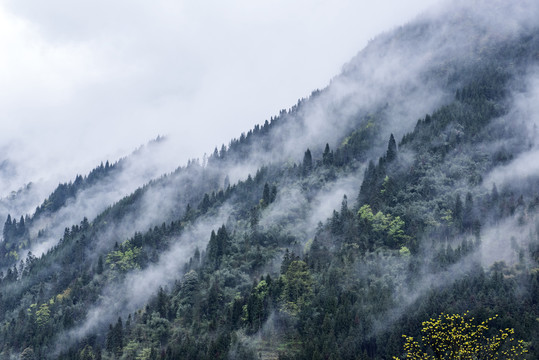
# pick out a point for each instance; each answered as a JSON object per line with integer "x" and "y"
{"x": 405, "y": 190}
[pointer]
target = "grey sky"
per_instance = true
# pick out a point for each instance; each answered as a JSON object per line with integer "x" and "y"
{"x": 82, "y": 82}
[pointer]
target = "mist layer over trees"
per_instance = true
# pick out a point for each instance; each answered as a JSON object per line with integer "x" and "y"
{"x": 407, "y": 188}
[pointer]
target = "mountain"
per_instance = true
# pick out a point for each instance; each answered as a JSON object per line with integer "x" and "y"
{"x": 407, "y": 188}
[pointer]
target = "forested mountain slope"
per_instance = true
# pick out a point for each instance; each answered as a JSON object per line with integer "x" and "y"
{"x": 70, "y": 202}
{"x": 326, "y": 233}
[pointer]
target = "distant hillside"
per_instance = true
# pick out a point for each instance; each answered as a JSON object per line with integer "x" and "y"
{"x": 407, "y": 188}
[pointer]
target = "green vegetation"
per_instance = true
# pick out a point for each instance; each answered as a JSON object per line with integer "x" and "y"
{"x": 124, "y": 259}
{"x": 242, "y": 271}
{"x": 453, "y": 336}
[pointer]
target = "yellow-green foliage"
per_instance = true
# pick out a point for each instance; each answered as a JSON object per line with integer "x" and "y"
{"x": 297, "y": 286}
{"x": 455, "y": 336}
{"x": 259, "y": 294}
{"x": 308, "y": 245}
{"x": 13, "y": 255}
{"x": 385, "y": 184}
{"x": 384, "y": 224}
{"x": 87, "y": 353}
{"x": 362, "y": 133}
{"x": 124, "y": 259}
{"x": 31, "y": 309}
{"x": 42, "y": 315}
{"x": 404, "y": 251}
{"x": 144, "y": 354}
{"x": 64, "y": 295}
{"x": 447, "y": 216}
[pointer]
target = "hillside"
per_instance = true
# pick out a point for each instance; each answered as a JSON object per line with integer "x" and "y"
{"x": 407, "y": 188}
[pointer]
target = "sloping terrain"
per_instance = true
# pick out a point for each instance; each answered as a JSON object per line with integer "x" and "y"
{"x": 406, "y": 188}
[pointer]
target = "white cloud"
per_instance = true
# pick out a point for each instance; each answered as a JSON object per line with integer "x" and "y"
{"x": 524, "y": 114}
{"x": 82, "y": 82}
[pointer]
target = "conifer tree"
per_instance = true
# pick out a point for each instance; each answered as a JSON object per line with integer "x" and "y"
{"x": 7, "y": 228}
{"x": 391, "y": 149}
{"x": 327, "y": 156}
{"x": 266, "y": 196}
{"x": 307, "y": 162}
{"x": 458, "y": 212}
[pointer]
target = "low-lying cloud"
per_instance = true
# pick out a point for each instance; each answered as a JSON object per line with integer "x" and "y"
{"x": 133, "y": 291}
{"x": 82, "y": 84}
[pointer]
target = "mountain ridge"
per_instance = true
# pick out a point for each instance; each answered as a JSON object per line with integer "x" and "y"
{"x": 321, "y": 248}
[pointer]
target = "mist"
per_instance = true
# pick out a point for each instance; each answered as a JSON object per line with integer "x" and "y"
{"x": 440, "y": 45}
{"x": 145, "y": 164}
{"x": 81, "y": 85}
{"x": 523, "y": 119}
{"x": 502, "y": 244}
{"x": 298, "y": 211}
{"x": 128, "y": 81}
{"x": 138, "y": 286}
{"x": 367, "y": 80}
{"x": 135, "y": 289}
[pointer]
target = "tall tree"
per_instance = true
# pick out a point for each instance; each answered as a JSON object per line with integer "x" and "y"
{"x": 391, "y": 153}
{"x": 458, "y": 212}
{"x": 266, "y": 195}
{"x": 307, "y": 162}
{"x": 327, "y": 156}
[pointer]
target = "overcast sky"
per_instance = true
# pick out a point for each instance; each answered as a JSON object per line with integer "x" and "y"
{"x": 86, "y": 81}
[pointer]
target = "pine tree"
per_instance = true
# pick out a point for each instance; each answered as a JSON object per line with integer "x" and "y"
{"x": 266, "y": 195}
{"x": 205, "y": 204}
{"x": 162, "y": 303}
{"x": 391, "y": 149}
{"x": 99, "y": 269}
{"x": 467, "y": 215}
{"x": 21, "y": 230}
{"x": 457, "y": 213}
{"x": 118, "y": 337}
{"x": 494, "y": 196}
{"x": 213, "y": 250}
{"x": 7, "y": 228}
{"x": 327, "y": 156}
{"x": 307, "y": 162}
{"x": 368, "y": 184}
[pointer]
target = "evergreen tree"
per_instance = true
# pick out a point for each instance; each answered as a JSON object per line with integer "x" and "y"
{"x": 212, "y": 250}
{"x": 218, "y": 246}
{"x": 327, "y": 156}
{"x": 494, "y": 193}
{"x": 458, "y": 212}
{"x": 205, "y": 204}
{"x": 162, "y": 303}
{"x": 367, "y": 186}
{"x": 391, "y": 153}
{"x": 7, "y": 228}
{"x": 467, "y": 214}
{"x": 99, "y": 269}
{"x": 21, "y": 230}
{"x": 118, "y": 337}
{"x": 266, "y": 195}
{"x": 307, "y": 162}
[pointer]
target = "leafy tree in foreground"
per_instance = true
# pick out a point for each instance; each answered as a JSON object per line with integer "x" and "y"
{"x": 454, "y": 336}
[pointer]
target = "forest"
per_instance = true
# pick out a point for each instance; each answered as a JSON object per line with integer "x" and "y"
{"x": 419, "y": 209}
